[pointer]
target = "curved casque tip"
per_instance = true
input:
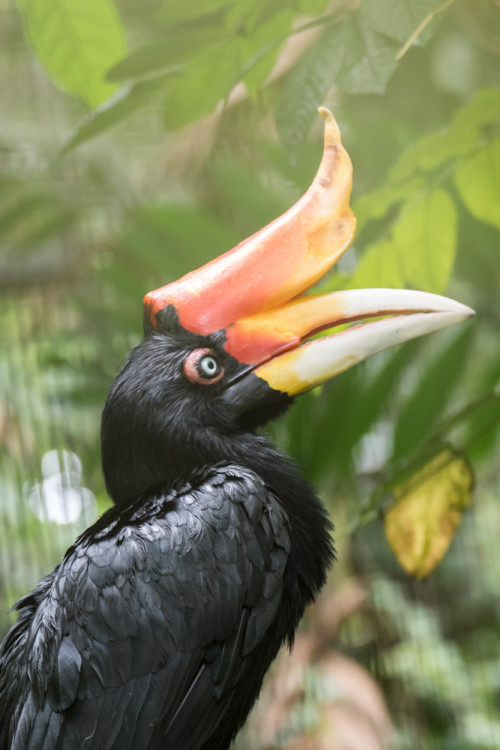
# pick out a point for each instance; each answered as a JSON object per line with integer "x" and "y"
{"x": 277, "y": 263}
{"x": 332, "y": 130}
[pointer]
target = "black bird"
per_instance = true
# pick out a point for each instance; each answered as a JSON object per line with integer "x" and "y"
{"x": 156, "y": 629}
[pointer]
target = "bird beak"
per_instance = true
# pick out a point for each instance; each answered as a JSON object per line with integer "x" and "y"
{"x": 274, "y": 342}
{"x": 253, "y": 292}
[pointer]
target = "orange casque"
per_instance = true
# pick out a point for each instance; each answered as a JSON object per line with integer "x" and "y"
{"x": 271, "y": 267}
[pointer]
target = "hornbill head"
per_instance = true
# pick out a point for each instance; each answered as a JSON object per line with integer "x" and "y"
{"x": 228, "y": 346}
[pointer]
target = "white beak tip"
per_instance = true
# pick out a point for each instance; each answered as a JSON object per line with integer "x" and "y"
{"x": 446, "y": 304}
{"x": 468, "y": 311}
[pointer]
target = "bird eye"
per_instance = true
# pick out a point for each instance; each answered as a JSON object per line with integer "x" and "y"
{"x": 208, "y": 366}
{"x": 203, "y": 366}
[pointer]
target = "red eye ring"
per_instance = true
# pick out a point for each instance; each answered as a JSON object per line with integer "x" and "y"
{"x": 202, "y": 366}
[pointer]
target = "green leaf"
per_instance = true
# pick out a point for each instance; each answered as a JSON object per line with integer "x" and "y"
{"x": 425, "y": 237}
{"x": 173, "y": 12}
{"x": 482, "y": 429}
{"x": 399, "y": 20}
{"x": 304, "y": 91}
{"x": 467, "y": 129}
{"x": 374, "y": 394}
{"x": 176, "y": 46}
{"x": 482, "y": 111}
{"x": 430, "y": 397}
{"x": 312, "y": 7}
{"x": 52, "y": 224}
{"x": 246, "y": 17}
{"x": 111, "y": 113}
{"x": 76, "y": 41}
{"x": 23, "y": 216}
{"x": 350, "y": 55}
{"x": 195, "y": 234}
{"x": 262, "y": 47}
{"x": 421, "y": 249}
{"x": 478, "y": 182}
{"x": 376, "y": 204}
{"x": 207, "y": 78}
{"x": 380, "y": 266}
{"x": 145, "y": 61}
{"x": 428, "y": 153}
{"x": 247, "y": 205}
{"x": 368, "y": 60}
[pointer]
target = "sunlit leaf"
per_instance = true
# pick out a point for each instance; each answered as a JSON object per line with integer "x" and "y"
{"x": 427, "y": 511}
{"x": 76, "y": 41}
{"x": 425, "y": 237}
{"x": 461, "y": 138}
{"x": 380, "y": 266}
{"x": 421, "y": 250}
{"x": 376, "y": 204}
{"x": 429, "y": 152}
{"x": 478, "y": 181}
{"x": 482, "y": 111}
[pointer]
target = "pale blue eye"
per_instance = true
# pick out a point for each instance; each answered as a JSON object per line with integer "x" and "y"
{"x": 203, "y": 366}
{"x": 208, "y": 366}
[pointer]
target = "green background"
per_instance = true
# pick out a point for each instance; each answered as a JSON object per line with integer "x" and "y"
{"x": 139, "y": 140}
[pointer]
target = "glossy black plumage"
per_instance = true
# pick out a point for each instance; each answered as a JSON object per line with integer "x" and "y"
{"x": 158, "y": 626}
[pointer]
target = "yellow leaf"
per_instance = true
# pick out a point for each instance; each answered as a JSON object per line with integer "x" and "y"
{"x": 427, "y": 511}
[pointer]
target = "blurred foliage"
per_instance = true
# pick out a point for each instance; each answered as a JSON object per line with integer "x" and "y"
{"x": 123, "y": 167}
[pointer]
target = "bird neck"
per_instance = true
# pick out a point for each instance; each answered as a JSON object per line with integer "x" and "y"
{"x": 133, "y": 464}
{"x": 312, "y": 550}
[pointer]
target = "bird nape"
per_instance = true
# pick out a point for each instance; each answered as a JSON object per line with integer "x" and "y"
{"x": 156, "y": 629}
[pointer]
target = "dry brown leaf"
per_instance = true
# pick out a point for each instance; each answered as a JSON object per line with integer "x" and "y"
{"x": 427, "y": 512}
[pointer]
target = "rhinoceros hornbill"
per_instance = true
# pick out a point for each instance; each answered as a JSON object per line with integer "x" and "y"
{"x": 156, "y": 629}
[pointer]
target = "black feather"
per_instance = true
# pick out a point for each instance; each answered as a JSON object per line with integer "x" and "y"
{"x": 158, "y": 626}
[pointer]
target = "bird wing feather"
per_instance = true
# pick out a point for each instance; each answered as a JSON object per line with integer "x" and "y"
{"x": 145, "y": 635}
